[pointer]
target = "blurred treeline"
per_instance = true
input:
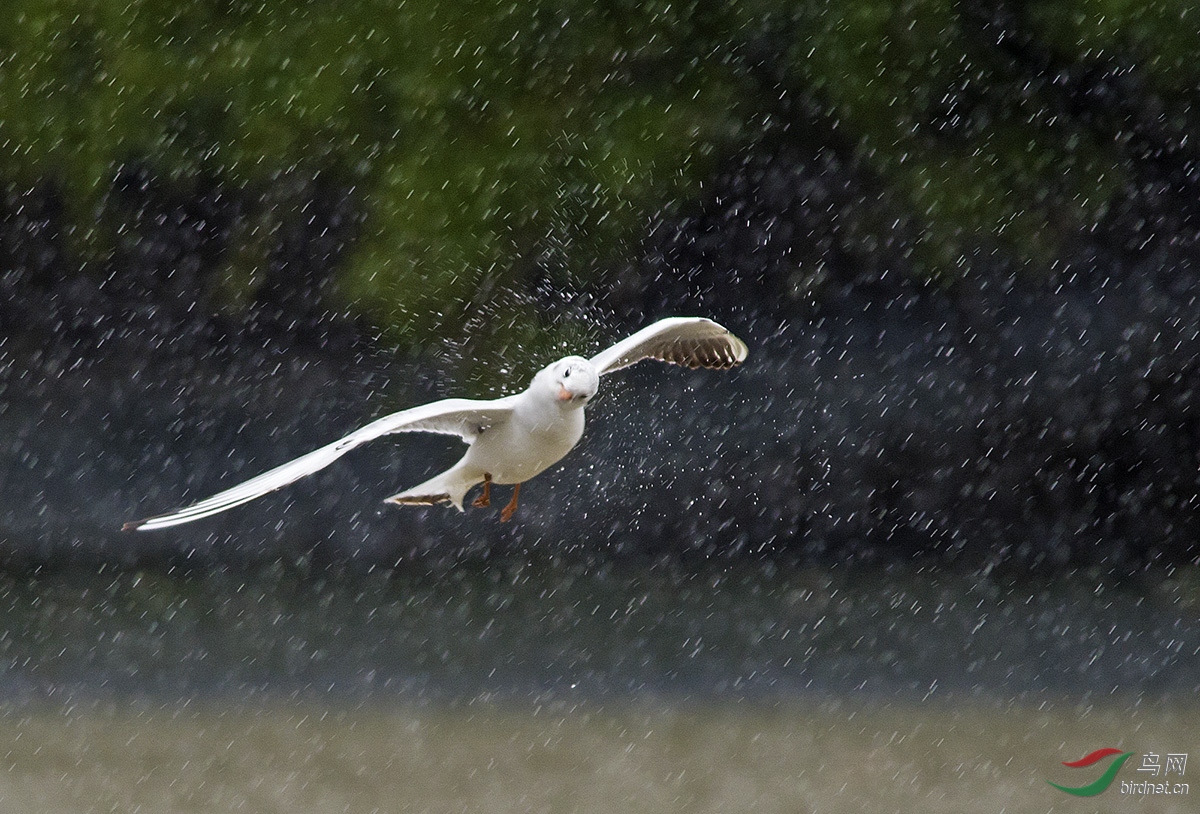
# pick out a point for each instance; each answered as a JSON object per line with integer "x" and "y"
{"x": 416, "y": 164}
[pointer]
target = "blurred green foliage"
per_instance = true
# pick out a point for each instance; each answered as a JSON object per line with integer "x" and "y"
{"x": 483, "y": 135}
{"x": 494, "y": 141}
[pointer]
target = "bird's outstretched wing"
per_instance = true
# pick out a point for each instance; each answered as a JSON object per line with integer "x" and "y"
{"x": 688, "y": 341}
{"x": 466, "y": 418}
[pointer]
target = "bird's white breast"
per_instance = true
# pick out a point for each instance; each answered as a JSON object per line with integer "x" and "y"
{"x": 537, "y": 436}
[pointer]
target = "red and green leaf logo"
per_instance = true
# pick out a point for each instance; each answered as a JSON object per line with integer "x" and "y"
{"x": 1103, "y": 781}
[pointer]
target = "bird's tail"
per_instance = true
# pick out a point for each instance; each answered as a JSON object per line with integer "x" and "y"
{"x": 449, "y": 487}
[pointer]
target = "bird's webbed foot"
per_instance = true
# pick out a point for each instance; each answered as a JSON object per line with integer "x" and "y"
{"x": 485, "y": 499}
{"x": 507, "y": 512}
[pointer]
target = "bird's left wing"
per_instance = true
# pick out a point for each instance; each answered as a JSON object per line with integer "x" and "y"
{"x": 466, "y": 418}
{"x": 688, "y": 341}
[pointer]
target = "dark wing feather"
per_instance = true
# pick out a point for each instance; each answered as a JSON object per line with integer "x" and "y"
{"x": 688, "y": 341}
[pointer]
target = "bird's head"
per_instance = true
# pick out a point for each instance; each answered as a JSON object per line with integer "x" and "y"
{"x": 571, "y": 380}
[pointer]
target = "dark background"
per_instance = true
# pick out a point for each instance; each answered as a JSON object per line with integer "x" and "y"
{"x": 960, "y": 238}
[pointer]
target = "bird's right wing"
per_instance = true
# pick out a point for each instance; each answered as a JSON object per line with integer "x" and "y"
{"x": 688, "y": 341}
{"x": 466, "y": 418}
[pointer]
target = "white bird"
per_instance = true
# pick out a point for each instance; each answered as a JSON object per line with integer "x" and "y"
{"x": 511, "y": 439}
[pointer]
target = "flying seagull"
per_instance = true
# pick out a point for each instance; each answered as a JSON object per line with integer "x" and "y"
{"x": 509, "y": 439}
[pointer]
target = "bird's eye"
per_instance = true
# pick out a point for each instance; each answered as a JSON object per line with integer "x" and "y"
{"x": 567, "y": 373}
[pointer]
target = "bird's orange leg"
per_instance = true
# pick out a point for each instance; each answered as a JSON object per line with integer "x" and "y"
{"x": 484, "y": 500}
{"x": 507, "y": 512}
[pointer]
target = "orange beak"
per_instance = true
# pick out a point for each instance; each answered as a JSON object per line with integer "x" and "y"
{"x": 564, "y": 394}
